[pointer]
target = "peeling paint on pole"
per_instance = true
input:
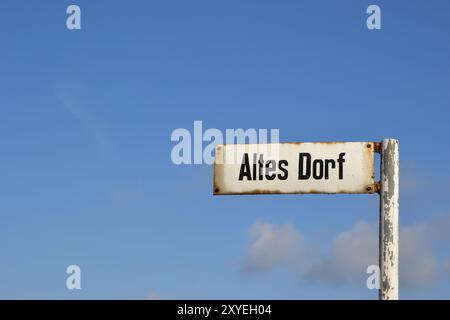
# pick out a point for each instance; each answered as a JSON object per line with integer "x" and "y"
{"x": 389, "y": 196}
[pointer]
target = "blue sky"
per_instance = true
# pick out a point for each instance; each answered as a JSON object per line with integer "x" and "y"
{"x": 85, "y": 126}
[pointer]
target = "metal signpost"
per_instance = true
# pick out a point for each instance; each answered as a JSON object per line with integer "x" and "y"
{"x": 389, "y": 193}
{"x": 322, "y": 168}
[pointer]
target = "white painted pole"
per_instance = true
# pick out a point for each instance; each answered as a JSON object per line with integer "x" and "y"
{"x": 389, "y": 195}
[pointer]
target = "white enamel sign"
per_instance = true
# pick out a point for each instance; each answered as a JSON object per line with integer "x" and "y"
{"x": 321, "y": 167}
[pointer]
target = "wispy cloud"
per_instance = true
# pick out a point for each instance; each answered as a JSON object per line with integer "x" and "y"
{"x": 85, "y": 118}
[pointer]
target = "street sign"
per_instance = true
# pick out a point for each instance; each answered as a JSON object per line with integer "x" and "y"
{"x": 322, "y": 167}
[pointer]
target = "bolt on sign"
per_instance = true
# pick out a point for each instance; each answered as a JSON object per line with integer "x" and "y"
{"x": 322, "y": 167}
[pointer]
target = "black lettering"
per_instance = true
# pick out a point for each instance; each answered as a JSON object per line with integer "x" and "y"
{"x": 307, "y": 174}
{"x": 270, "y": 167}
{"x": 341, "y": 161}
{"x": 245, "y": 168}
{"x": 261, "y": 167}
{"x": 317, "y": 175}
{"x": 329, "y": 162}
{"x": 280, "y": 167}
{"x": 255, "y": 164}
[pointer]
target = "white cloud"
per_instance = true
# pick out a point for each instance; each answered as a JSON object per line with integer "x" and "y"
{"x": 351, "y": 252}
{"x": 271, "y": 247}
{"x": 354, "y": 250}
{"x": 438, "y": 228}
{"x": 418, "y": 266}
